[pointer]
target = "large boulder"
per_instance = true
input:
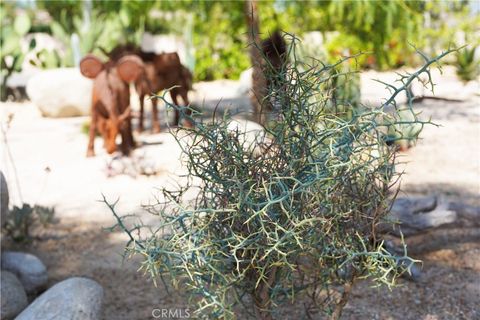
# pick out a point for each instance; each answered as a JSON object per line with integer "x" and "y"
{"x": 31, "y": 272}
{"x": 61, "y": 92}
{"x": 4, "y": 198}
{"x": 14, "y": 298}
{"x": 71, "y": 299}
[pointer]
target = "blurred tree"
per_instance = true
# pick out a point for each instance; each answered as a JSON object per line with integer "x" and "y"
{"x": 259, "y": 82}
{"x": 62, "y": 11}
{"x": 220, "y": 33}
{"x": 380, "y": 25}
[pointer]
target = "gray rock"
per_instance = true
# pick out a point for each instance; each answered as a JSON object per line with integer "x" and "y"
{"x": 61, "y": 92}
{"x": 469, "y": 215}
{"x": 31, "y": 272}
{"x": 414, "y": 205}
{"x": 14, "y": 298}
{"x": 4, "y": 198}
{"x": 471, "y": 259}
{"x": 71, "y": 299}
{"x": 417, "y": 214}
{"x": 413, "y": 270}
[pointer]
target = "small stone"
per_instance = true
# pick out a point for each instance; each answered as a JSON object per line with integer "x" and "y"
{"x": 72, "y": 299}
{"x": 30, "y": 270}
{"x": 14, "y": 298}
{"x": 471, "y": 259}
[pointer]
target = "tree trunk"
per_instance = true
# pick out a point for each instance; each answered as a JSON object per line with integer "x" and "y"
{"x": 261, "y": 296}
{"x": 337, "y": 312}
{"x": 259, "y": 82}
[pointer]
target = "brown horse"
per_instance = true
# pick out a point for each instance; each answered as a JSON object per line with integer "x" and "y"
{"x": 161, "y": 71}
{"x": 111, "y": 113}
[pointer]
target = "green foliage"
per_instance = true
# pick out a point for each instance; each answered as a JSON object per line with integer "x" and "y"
{"x": 105, "y": 32}
{"x": 112, "y": 23}
{"x": 448, "y": 23}
{"x": 340, "y": 45}
{"x": 220, "y": 53}
{"x": 381, "y": 24}
{"x": 21, "y": 220}
{"x": 13, "y": 28}
{"x": 287, "y": 215}
{"x": 468, "y": 68}
{"x": 219, "y": 37}
{"x": 22, "y": 24}
{"x": 383, "y": 29}
{"x": 62, "y": 11}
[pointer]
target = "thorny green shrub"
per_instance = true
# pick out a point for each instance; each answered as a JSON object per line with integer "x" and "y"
{"x": 290, "y": 216}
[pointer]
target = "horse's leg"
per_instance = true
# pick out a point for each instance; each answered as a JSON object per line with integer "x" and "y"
{"x": 173, "y": 94}
{"x": 155, "y": 122}
{"x": 140, "y": 120}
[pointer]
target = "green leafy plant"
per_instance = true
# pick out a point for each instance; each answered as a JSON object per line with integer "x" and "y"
{"x": 287, "y": 216}
{"x": 103, "y": 33}
{"x": 382, "y": 24}
{"x": 220, "y": 53}
{"x": 468, "y": 67}
{"x": 11, "y": 54}
{"x": 21, "y": 220}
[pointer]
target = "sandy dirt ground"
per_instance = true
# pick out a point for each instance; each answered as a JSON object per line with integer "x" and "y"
{"x": 445, "y": 162}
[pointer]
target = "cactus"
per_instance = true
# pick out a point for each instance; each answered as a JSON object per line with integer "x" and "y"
{"x": 108, "y": 31}
{"x": 346, "y": 84}
{"x": 11, "y": 55}
{"x": 404, "y": 134}
{"x": 345, "y": 81}
{"x": 468, "y": 68}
